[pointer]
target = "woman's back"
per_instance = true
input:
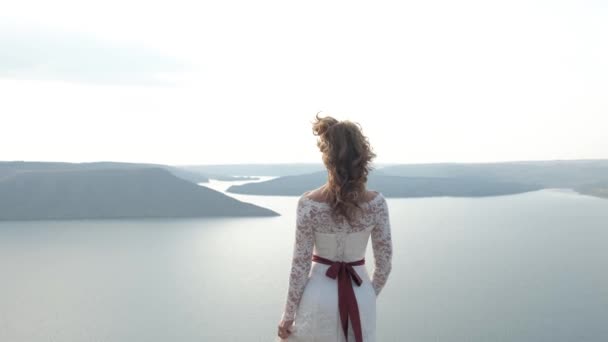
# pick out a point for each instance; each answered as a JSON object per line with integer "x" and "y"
{"x": 342, "y": 240}
{"x": 318, "y": 232}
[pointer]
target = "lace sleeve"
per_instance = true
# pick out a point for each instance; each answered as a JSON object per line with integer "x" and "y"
{"x": 301, "y": 262}
{"x": 382, "y": 246}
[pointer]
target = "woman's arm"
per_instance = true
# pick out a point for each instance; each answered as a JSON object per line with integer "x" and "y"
{"x": 382, "y": 246}
{"x": 301, "y": 261}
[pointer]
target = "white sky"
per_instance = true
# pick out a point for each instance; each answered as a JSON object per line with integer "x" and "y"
{"x": 194, "y": 82}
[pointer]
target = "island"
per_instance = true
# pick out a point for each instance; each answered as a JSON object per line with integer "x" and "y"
{"x": 389, "y": 186}
{"x": 42, "y": 193}
{"x": 588, "y": 176}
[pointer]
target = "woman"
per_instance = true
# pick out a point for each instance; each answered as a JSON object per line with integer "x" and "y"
{"x": 331, "y": 297}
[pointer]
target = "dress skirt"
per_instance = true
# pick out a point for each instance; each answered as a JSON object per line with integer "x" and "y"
{"x": 317, "y": 317}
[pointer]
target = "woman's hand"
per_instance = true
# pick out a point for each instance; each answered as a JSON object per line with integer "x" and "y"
{"x": 285, "y": 328}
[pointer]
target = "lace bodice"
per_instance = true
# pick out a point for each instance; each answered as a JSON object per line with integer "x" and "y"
{"x": 318, "y": 232}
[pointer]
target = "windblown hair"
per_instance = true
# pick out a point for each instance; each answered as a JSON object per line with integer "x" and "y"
{"x": 347, "y": 155}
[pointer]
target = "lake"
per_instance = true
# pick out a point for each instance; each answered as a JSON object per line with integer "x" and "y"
{"x": 528, "y": 267}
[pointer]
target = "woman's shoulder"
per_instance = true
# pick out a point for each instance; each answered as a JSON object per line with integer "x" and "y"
{"x": 312, "y": 197}
{"x": 372, "y": 195}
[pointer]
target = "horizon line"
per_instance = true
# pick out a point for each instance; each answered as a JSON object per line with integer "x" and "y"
{"x": 307, "y": 162}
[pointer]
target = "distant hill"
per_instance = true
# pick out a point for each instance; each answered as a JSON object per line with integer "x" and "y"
{"x": 458, "y": 179}
{"x": 11, "y": 167}
{"x": 194, "y": 176}
{"x": 256, "y": 169}
{"x": 112, "y": 193}
{"x": 548, "y": 174}
{"x": 390, "y": 186}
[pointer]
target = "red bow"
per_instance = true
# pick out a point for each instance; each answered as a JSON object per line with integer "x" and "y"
{"x": 347, "y": 301}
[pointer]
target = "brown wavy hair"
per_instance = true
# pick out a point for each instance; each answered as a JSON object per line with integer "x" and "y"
{"x": 347, "y": 155}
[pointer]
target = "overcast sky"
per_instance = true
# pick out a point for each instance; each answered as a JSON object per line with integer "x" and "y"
{"x": 195, "y": 82}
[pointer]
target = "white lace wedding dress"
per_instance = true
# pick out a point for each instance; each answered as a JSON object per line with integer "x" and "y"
{"x": 312, "y": 297}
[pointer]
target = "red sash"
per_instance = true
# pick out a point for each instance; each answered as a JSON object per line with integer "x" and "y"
{"x": 347, "y": 301}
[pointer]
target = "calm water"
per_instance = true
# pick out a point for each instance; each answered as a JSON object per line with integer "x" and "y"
{"x": 529, "y": 267}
